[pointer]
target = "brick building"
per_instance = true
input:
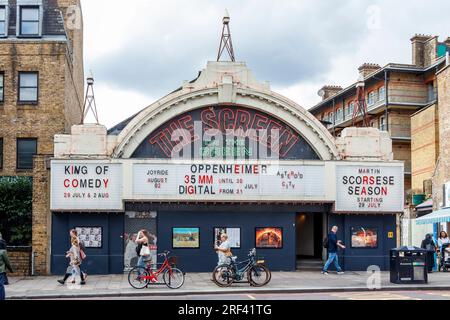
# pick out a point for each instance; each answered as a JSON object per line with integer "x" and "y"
{"x": 395, "y": 95}
{"x": 41, "y": 93}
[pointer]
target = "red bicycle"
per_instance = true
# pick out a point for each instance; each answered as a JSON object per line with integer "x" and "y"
{"x": 140, "y": 277}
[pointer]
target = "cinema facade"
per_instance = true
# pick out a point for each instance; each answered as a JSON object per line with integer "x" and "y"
{"x": 224, "y": 154}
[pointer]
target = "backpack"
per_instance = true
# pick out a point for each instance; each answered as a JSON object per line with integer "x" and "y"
{"x": 138, "y": 249}
{"x": 326, "y": 243}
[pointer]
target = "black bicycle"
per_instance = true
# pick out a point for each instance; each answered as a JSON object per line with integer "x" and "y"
{"x": 258, "y": 275}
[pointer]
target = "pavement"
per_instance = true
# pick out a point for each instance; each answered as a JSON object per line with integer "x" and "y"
{"x": 199, "y": 284}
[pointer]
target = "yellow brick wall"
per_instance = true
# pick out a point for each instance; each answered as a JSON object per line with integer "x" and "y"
{"x": 442, "y": 173}
{"x": 61, "y": 86}
{"x": 424, "y": 146}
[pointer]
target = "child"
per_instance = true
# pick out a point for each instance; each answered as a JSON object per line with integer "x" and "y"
{"x": 75, "y": 260}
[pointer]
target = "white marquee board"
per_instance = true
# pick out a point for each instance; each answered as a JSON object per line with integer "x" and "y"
{"x": 224, "y": 181}
{"x": 375, "y": 189}
{"x": 86, "y": 186}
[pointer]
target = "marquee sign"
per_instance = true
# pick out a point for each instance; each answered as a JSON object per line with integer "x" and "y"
{"x": 228, "y": 181}
{"x": 86, "y": 186}
{"x": 369, "y": 188}
{"x": 244, "y": 132}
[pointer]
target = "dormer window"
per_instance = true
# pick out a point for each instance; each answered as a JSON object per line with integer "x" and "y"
{"x": 30, "y": 24}
{"x": 3, "y": 21}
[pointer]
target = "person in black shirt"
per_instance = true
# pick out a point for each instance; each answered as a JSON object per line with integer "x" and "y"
{"x": 332, "y": 246}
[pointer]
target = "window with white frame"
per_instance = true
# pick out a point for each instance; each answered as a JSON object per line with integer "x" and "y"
{"x": 30, "y": 23}
{"x": 3, "y": 21}
{"x": 351, "y": 108}
{"x": 382, "y": 93}
{"x": 339, "y": 114}
{"x": 28, "y": 87}
{"x": 372, "y": 98}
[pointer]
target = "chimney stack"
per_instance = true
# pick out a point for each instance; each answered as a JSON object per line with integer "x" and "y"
{"x": 368, "y": 68}
{"x": 329, "y": 91}
{"x": 447, "y": 42}
{"x": 418, "y": 43}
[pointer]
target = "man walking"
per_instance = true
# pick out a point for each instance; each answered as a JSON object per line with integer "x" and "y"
{"x": 3, "y": 247}
{"x": 333, "y": 244}
{"x": 4, "y": 266}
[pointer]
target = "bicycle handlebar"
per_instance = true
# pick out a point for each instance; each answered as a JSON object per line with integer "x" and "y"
{"x": 164, "y": 254}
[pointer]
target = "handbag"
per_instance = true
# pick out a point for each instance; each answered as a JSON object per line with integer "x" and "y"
{"x": 228, "y": 254}
{"x": 82, "y": 255}
{"x": 145, "y": 251}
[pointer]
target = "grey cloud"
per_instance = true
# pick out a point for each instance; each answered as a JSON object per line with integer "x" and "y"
{"x": 282, "y": 42}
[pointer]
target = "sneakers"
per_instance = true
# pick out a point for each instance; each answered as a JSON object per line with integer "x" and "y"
{"x": 325, "y": 273}
{"x": 341, "y": 273}
{"x": 61, "y": 282}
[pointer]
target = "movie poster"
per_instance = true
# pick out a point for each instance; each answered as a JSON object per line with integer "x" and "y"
{"x": 234, "y": 237}
{"x": 363, "y": 237}
{"x": 269, "y": 238}
{"x": 90, "y": 237}
{"x": 186, "y": 238}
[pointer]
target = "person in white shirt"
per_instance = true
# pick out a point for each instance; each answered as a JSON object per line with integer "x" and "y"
{"x": 224, "y": 250}
{"x": 443, "y": 239}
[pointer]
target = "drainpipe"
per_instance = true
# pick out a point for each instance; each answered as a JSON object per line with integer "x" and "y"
{"x": 334, "y": 117}
{"x": 33, "y": 257}
{"x": 386, "y": 98}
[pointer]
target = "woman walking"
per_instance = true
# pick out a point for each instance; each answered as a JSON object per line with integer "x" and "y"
{"x": 429, "y": 245}
{"x": 144, "y": 251}
{"x": 75, "y": 261}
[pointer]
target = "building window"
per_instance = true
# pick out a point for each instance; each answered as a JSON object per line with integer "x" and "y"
{"x": 351, "y": 109}
{"x": 383, "y": 124}
{"x": 431, "y": 95}
{"x": 26, "y": 150}
{"x": 2, "y": 94}
{"x": 372, "y": 98}
{"x": 30, "y": 21}
{"x": 339, "y": 114}
{"x": 28, "y": 87}
{"x": 382, "y": 93}
{"x": 3, "y": 21}
{"x": 331, "y": 117}
{"x": 1, "y": 153}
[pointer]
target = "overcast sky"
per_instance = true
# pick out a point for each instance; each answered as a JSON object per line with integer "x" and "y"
{"x": 140, "y": 50}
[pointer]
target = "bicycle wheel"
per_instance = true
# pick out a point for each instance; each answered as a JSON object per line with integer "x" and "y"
{"x": 259, "y": 275}
{"x": 223, "y": 276}
{"x": 174, "y": 278}
{"x": 136, "y": 278}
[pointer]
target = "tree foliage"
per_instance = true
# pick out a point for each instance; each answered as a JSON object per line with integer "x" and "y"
{"x": 16, "y": 209}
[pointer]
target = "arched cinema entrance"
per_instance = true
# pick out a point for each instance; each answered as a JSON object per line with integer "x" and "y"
{"x": 225, "y": 97}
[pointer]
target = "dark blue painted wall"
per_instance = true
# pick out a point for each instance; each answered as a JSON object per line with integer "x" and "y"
{"x": 105, "y": 260}
{"x": 205, "y": 258}
{"x": 360, "y": 259}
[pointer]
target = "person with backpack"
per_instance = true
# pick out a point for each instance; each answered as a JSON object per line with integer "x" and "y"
{"x": 332, "y": 244}
{"x": 77, "y": 255}
{"x": 429, "y": 245}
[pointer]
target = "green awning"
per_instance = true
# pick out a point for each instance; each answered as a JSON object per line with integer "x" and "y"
{"x": 439, "y": 216}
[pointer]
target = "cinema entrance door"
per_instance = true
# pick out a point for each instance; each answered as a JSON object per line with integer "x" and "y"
{"x": 311, "y": 229}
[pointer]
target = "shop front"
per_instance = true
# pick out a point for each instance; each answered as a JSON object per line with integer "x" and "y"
{"x": 223, "y": 154}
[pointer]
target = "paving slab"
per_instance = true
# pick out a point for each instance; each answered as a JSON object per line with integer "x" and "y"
{"x": 201, "y": 284}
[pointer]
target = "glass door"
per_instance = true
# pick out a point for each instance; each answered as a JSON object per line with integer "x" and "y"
{"x": 134, "y": 222}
